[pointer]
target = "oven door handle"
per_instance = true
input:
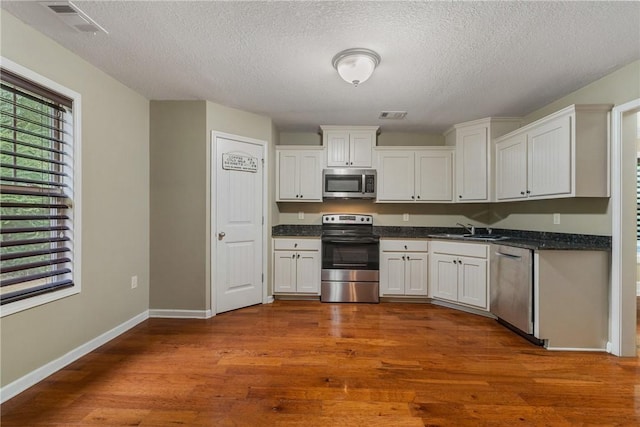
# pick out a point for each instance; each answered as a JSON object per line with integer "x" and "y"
{"x": 358, "y": 241}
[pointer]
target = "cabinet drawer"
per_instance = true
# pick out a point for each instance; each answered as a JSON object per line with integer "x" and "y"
{"x": 298, "y": 244}
{"x": 477, "y": 250}
{"x": 404, "y": 245}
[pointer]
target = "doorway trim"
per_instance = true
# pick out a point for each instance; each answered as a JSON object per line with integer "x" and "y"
{"x": 620, "y": 326}
{"x": 211, "y": 212}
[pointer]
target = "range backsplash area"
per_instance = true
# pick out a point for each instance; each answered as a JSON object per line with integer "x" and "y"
{"x": 577, "y": 215}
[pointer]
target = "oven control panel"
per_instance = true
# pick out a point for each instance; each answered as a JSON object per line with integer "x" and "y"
{"x": 347, "y": 219}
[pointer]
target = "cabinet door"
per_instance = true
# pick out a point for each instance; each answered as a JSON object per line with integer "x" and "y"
{"x": 308, "y": 272}
{"x": 395, "y": 176}
{"x": 288, "y": 175}
{"x": 360, "y": 149}
{"x": 472, "y": 173}
{"x": 284, "y": 271}
{"x": 472, "y": 281}
{"x": 310, "y": 176}
{"x": 338, "y": 149}
{"x": 434, "y": 175}
{"x": 511, "y": 168}
{"x": 443, "y": 276}
{"x": 392, "y": 273}
{"x": 416, "y": 265}
{"x": 549, "y": 158}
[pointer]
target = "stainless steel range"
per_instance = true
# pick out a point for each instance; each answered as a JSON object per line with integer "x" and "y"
{"x": 350, "y": 259}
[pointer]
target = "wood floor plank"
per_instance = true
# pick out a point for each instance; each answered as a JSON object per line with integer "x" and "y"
{"x": 294, "y": 363}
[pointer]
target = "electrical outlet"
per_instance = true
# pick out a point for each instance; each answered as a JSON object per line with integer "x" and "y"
{"x": 134, "y": 282}
{"x": 556, "y": 218}
{"x": 300, "y": 215}
{"x": 405, "y": 217}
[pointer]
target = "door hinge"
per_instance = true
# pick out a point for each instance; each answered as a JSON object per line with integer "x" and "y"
{"x": 262, "y": 220}
{"x": 262, "y": 279}
{"x": 262, "y": 161}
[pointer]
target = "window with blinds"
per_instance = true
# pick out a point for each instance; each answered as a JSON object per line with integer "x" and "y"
{"x": 36, "y": 191}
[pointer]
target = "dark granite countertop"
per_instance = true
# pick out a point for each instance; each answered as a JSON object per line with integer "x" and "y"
{"x": 288, "y": 230}
{"x": 535, "y": 240}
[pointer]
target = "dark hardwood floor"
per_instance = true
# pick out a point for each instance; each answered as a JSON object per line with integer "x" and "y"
{"x": 296, "y": 363}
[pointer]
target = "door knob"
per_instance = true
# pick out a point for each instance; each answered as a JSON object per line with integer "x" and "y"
{"x": 221, "y": 235}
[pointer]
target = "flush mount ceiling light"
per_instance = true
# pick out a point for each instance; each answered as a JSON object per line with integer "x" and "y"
{"x": 355, "y": 66}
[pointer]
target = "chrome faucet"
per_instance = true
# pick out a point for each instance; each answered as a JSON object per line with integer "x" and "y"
{"x": 471, "y": 230}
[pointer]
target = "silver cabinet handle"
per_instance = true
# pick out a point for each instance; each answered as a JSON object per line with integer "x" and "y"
{"x": 221, "y": 235}
{"x": 508, "y": 255}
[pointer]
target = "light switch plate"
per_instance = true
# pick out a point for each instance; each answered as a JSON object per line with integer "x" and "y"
{"x": 300, "y": 215}
{"x": 405, "y": 217}
{"x": 556, "y": 218}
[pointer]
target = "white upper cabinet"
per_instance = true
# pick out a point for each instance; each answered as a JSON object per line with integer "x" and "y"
{"x": 414, "y": 175}
{"x": 511, "y": 168}
{"x": 299, "y": 174}
{"x": 549, "y": 158}
{"x": 395, "y": 170}
{"x": 473, "y": 145}
{"x": 565, "y": 154}
{"x": 434, "y": 175}
{"x": 349, "y": 146}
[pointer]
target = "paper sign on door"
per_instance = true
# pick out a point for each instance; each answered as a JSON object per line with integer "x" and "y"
{"x": 238, "y": 162}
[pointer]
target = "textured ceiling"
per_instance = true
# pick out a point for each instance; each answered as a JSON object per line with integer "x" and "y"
{"x": 443, "y": 62}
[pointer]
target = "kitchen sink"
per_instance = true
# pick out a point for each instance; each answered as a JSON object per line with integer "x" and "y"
{"x": 484, "y": 237}
{"x": 449, "y": 235}
{"x": 490, "y": 237}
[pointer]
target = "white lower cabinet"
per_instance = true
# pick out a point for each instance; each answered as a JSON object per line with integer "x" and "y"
{"x": 458, "y": 273}
{"x": 403, "y": 267}
{"x": 296, "y": 266}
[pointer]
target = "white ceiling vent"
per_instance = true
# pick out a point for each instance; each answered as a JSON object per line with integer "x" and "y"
{"x": 71, "y": 15}
{"x": 393, "y": 115}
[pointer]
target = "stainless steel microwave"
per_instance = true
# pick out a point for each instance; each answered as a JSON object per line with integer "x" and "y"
{"x": 349, "y": 183}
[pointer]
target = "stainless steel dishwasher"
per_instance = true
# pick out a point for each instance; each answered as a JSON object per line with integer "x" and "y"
{"x": 512, "y": 289}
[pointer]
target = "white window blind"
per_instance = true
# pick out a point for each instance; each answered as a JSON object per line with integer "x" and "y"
{"x": 36, "y": 189}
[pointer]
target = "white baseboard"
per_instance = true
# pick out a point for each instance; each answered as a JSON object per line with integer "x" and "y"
{"x": 180, "y": 314}
{"x": 575, "y": 349}
{"x": 270, "y": 300}
{"x": 34, "y": 377}
{"x": 638, "y": 289}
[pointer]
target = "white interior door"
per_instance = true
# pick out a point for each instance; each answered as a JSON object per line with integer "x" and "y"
{"x": 237, "y": 229}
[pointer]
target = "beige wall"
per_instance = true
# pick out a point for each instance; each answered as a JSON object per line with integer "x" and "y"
{"x": 115, "y": 209}
{"x": 589, "y": 216}
{"x": 180, "y": 195}
{"x": 409, "y": 139}
{"x": 299, "y": 138}
{"x": 178, "y": 140}
{"x": 384, "y": 139}
{"x": 420, "y": 215}
{"x": 620, "y": 86}
{"x": 242, "y": 123}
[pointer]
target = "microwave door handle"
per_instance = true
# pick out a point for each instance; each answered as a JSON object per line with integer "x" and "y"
{"x": 364, "y": 183}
